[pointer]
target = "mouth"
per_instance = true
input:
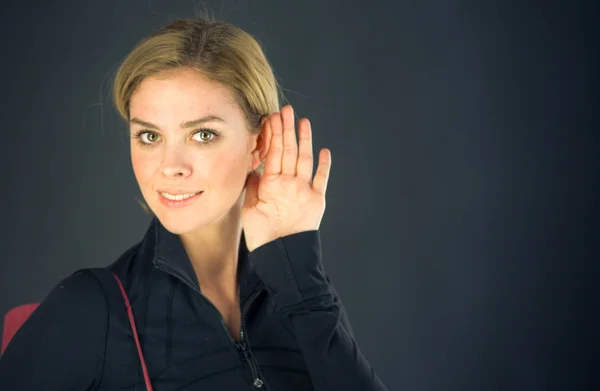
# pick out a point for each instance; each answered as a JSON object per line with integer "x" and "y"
{"x": 178, "y": 200}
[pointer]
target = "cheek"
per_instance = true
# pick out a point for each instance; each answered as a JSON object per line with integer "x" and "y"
{"x": 230, "y": 170}
{"x": 143, "y": 167}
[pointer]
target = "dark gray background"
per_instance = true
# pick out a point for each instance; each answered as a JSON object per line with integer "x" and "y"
{"x": 461, "y": 226}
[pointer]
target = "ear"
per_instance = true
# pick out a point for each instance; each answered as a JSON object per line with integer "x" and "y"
{"x": 263, "y": 140}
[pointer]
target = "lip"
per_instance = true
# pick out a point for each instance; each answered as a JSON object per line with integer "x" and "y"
{"x": 176, "y": 191}
{"x": 178, "y": 204}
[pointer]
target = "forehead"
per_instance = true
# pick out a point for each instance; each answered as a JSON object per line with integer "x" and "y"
{"x": 181, "y": 93}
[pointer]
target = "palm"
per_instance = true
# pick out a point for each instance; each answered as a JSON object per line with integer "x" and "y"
{"x": 285, "y": 199}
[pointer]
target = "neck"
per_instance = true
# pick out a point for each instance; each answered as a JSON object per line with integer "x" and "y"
{"x": 213, "y": 252}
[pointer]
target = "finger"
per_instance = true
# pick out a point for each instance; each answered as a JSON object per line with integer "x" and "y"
{"x": 304, "y": 168}
{"x": 290, "y": 146}
{"x": 273, "y": 159}
{"x": 322, "y": 175}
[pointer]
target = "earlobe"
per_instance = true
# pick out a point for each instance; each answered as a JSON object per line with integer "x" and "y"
{"x": 254, "y": 161}
{"x": 261, "y": 146}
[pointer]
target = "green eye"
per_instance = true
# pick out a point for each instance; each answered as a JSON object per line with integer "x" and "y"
{"x": 145, "y": 137}
{"x": 206, "y": 135}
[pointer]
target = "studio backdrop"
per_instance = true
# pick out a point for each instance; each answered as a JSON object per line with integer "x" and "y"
{"x": 460, "y": 228}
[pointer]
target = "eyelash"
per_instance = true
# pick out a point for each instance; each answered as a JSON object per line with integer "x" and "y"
{"x": 138, "y": 136}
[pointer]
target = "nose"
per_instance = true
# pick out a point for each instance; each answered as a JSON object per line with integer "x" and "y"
{"x": 174, "y": 164}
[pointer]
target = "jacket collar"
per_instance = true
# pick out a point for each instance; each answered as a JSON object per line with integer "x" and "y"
{"x": 170, "y": 256}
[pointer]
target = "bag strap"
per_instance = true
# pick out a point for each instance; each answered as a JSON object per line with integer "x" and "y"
{"x": 135, "y": 334}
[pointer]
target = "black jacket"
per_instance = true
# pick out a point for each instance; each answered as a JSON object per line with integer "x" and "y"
{"x": 296, "y": 335}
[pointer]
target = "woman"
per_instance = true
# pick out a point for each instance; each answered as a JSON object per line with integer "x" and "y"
{"x": 227, "y": 287}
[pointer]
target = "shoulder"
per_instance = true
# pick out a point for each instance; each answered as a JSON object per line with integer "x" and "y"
{"x": 81, "y": 290}
{"x": 76, "y": 304}
{"x": 75, "y": 309}
{"x": 66, "y": 333}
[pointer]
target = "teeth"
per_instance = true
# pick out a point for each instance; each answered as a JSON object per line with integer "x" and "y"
{"x": 178, "y": 197}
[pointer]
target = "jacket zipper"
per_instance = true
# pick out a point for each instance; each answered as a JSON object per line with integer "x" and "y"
{"x": 242, "y": 346}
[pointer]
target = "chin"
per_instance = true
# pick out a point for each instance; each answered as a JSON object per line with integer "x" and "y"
{"x": 179, "y": 224}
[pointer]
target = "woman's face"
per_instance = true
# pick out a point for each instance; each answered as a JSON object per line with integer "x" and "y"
{"x": 189, "y": 137}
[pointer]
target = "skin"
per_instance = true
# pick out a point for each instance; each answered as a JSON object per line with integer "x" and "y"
{"x": 173, "y": 157}
{"x": 166, "y": 155}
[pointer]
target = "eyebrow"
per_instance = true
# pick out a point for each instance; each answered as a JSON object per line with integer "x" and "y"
{"x": 188, "y": 124}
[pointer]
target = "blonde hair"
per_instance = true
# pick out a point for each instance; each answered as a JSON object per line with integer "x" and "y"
{"x": 219, "y": 51}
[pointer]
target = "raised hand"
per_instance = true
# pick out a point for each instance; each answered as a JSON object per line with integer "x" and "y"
{"x": 285, "y": 199}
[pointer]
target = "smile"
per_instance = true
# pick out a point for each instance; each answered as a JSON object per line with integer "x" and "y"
{"x": 177, "y": 197}
{"x": 178, "y": 200}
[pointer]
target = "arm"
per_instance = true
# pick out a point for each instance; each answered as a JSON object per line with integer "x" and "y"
{"x": 60, "y": 346}
{"x": 292, "y": 270}
{"x": 343, "y": 315}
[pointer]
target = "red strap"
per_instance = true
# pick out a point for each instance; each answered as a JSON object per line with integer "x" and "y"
{"x": 135, "y": 335}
